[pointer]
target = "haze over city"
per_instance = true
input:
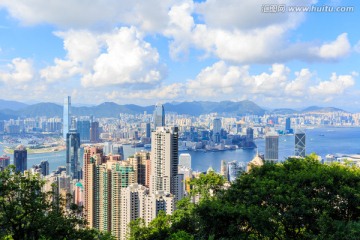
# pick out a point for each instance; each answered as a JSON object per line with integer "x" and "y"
{"x": 163, "y": 51}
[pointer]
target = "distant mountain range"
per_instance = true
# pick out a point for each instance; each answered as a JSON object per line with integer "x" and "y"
{"x": 13, "y": 109}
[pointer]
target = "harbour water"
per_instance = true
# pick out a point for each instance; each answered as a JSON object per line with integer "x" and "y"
{"x": 321, "y": 141}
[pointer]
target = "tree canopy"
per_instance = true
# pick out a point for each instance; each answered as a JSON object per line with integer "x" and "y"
{"x": 26, "y": 212}
{"x": 296, "y": 199}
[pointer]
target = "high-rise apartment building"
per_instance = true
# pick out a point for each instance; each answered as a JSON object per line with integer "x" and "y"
{"x": 66, "y": 116}
{"x": 93, "y": 156}
{"x": 20, "y": 158}
{"x": 141, "y": 165}
{"x": 159, "y": 116}
{"x": 164, "y": 161}
{"x": 300, "y": 144}
{"x": 272, "y": 147}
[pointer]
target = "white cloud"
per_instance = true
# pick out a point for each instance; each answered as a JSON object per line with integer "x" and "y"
{"x": 128, "y": 60}
{"x": 165, "y": 93}
{"x": 223, "y": 81}
{"x": 247, "y": 15}
{"x": 244, "y": 34}
{"x": 336, "y": 49}
{"x": 335, "y": 86}
{"x": 357, "y": 47}
{"x": 216, "y": 80}
{"x": 19, "y": 71}
{"x": 149, "y": 15}
{"x": 116, "y": 58}
{"x": 297, "y": 87}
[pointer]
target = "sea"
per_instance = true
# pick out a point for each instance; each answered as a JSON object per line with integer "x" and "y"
{"x": 321, "y": 141}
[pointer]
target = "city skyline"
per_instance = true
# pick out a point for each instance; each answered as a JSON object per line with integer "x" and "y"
{"x": 180, "y": 51}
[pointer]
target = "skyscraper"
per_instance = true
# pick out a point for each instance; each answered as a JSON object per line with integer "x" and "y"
{"x": 83, "y": 128}
{"x": 66, "y": 116}
{"x": 249, "y": 135}
{"x": 20, "y": 158}
{"x": 159, "y": 116}
{"x": 44, "y": 165}
{"x": 4, "y": 162}
{"x": 216, "y": 130}
{"x": 288, "y": 128}
{"x": 94, "y": 132}
{"x": 300, "y": 144}
{"x": 272, "y": 147}
{"x": 72, "y": 151}
{"x": 164, "y": 161}
{"x": 148, "y": 130}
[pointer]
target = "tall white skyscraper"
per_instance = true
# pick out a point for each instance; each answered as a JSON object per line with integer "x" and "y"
{"x": 66, "y": 116}
{"x": 164, "y": 161}
{"x": 272, "y": 147}
{"x": 159, "y": 116}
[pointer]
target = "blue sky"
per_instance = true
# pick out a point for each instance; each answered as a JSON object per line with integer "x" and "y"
{"x": 145, "y": 52}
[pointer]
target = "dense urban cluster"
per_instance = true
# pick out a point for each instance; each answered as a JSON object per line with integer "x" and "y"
{"x": 112, "y": 191}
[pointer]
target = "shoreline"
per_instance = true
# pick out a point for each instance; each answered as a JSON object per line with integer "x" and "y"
{"x": 9, "y": 150}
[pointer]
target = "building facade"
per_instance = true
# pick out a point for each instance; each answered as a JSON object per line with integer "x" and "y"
{"x": 66, "y": 116}
{"x": 272, "y": 147}
{"x": 20, "y": 158}
{"x": 159, "y": 116}
{"x": 300, "y": 144}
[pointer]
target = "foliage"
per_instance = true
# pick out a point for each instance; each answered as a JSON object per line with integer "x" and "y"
{"x": 207, "y": 185}
{"x": 26, "y": 212}
{"x": 296, "y": 199}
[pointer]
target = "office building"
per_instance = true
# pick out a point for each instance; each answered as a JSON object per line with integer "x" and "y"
{"x": 288, "y": 128}
{"x": 272, "y": 147}
{"x": 300, "y": 144}
{"x": 94, "y": 132}
{"x": 249, "y": 135}
{"x": 185, "y": 160}
{"x": 4, "y": 162}
{"x": 159, "y": 116}
{"x": 44, "y": 166}
{"x": 148, "y": 130}
{"x": 20, "y": 158}
{"x": 164, "y": 161}
{"x": 216, "y": 130}
{"x": 66, "y": 116}
{"x": 83, "y": 128}
{"x": 73, "y": 152}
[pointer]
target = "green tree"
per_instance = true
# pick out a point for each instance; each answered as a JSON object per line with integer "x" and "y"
{"x": 296, "y": 199}
{"x": 207, "y": 185}
{"x": 26, "y": 212}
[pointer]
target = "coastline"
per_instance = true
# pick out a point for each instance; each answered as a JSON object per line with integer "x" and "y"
{"x": 9, "y": 150}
